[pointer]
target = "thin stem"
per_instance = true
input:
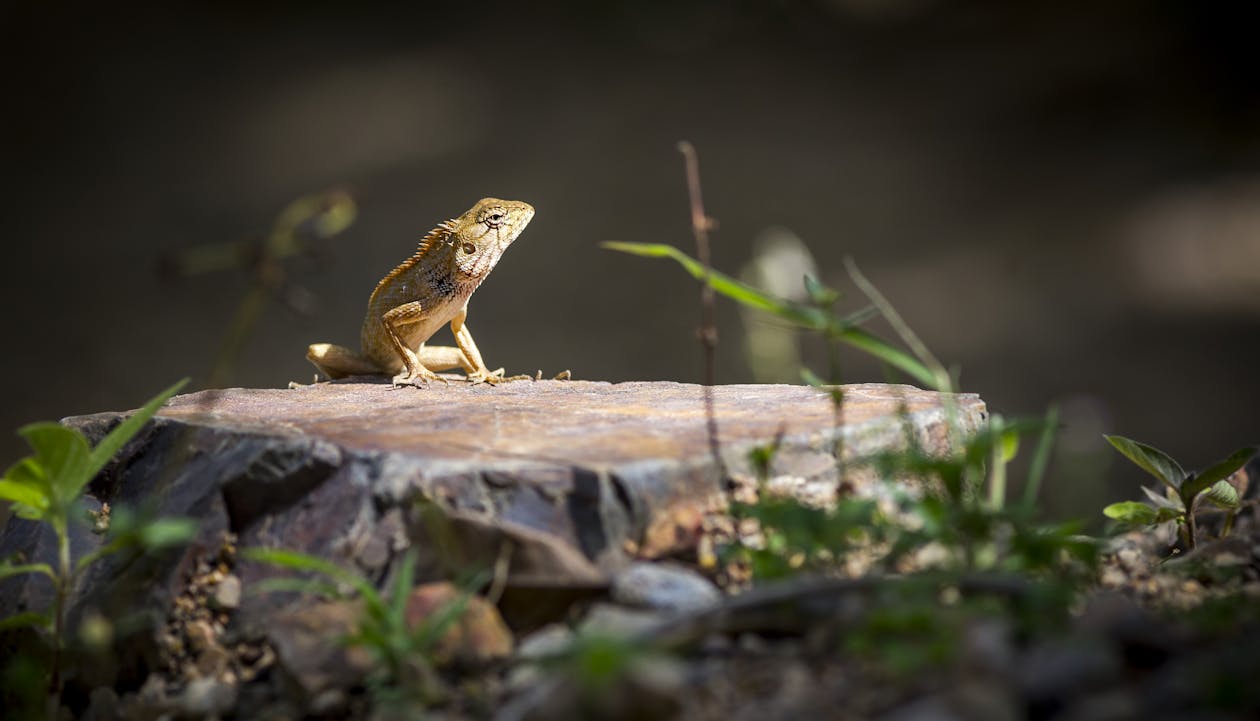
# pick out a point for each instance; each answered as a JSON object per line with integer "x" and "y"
{"x": 997, "y": 467}
{"x": 243, "y": 324}
{"x": 700, "y": 226}
{"x": 943, "y": 381}
{"x": 61, "y": 583}
{"x": 837, "y": 401}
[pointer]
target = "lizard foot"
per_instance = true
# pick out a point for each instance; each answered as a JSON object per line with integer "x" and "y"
{"x": 494, "y": 377}
{"x": 420, "y": 378}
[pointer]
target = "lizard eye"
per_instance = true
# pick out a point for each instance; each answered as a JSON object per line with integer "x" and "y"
{"x": 495, "y": 218}
{"x": 469, "y": 248}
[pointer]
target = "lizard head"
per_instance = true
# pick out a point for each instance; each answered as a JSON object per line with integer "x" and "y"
{"x": 480, "y": 235}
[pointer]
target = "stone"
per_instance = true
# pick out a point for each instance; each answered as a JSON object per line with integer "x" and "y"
{"x": 546, "y": 641}
{"x": 664, "y": 587}
{"x": 532, "y": 653}
{"x": 605, "y": 619}
{"x": 227, "y": 594}
{"x": 477, "y": 636}
{"x": 308, "y": 648}
{"x": 207, "y": 697}
{"x": 648, "y": 687}
{"x": 565, "y": 481}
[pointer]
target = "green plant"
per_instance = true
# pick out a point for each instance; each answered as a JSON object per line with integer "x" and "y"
{"x": 402, "y": 655}
{"x": 958, "y": 523}
{"x": 299, "y": 229}
{"x": 964, "y": 511}
{"x": 951, "y": 514}
{"x": 815, "y": 316}
{"x": 1184, "y": 493}
{"x": 47, "y": 487}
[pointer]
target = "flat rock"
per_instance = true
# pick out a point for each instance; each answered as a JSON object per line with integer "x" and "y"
{"x": 553, "y": 480}
{"x": 601, "y": 426}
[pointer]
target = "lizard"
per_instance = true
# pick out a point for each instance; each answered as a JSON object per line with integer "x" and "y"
{"x": 425, "y": 292}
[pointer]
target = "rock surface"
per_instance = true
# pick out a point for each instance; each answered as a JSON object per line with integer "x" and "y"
{"x": 554, "y": 486}
{"x": 593, "y": 464}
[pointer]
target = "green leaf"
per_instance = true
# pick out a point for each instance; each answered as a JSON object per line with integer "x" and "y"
{"x": 308, "y": 586}
{"x": 820, "y": 294}
{"x": 859, "y": 316}
{"x": 433, "y": 628}
{"x": 22, "y": 620}
{"x": 6, "y": 570}
{"x": 1132, "y": 512}
{"x": 124, "y": 432}
{"x": 1008, "y": 443}
{"x": 1168, "y": 514}
{"x": 1222, "y": 495}
{"x": 940, "y": 379}
{"x": 1163, "y": 501}
{"x": 63, "y": 454}
{"x": 1150, "y": 459}
{"x": 401, "y": 591}
{"x": 726, "y": 285}
{"x": 804, "y": 316}
{"x": 811, "y": 378}
{"x": 296, "y": 561}
{"x": 1217, "y": 472}
{"x": 1041, "y": 456}
{"x": 164, "y": 532}
{"x": 25, "y": 494}
{"x": 899, "y": 359}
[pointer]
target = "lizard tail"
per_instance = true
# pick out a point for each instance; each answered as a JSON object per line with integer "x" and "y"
{"x": 335, "y": 361}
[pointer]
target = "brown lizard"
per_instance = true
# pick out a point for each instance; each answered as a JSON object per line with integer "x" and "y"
{"x": 427, "y": 291}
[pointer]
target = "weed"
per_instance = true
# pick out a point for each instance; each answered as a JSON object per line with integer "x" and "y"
{"x": 958, "y": 522}
{"x": 47, "y": 487}
{"x": 403, "y": 656}
{"x": 1184, "y": 493}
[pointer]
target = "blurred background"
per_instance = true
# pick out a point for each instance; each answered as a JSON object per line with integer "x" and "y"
{"x": 1062, "y": 198}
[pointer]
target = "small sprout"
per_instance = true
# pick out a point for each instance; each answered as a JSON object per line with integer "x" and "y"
{"x": 1183, "y": 492}
{"x": 47, "y": 486}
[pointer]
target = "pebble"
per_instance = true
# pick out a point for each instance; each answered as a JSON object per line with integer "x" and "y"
{"x": 207, "y": 697}
{"x": 609, "y": 620}
{"x": 1130, "y": 558}
{"x": 546, "y": 641}
{"x": 1113, "y": 577}
{"x": 227, "y": 595}
{"x": 664, "y": 587}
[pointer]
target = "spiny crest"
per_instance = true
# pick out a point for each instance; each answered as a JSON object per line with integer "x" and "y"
{"x": 433, "y": 239}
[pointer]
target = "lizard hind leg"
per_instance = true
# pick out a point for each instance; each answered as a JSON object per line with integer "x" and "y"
{"x": 443, "y": 358}
{"x": 336, "y": 361}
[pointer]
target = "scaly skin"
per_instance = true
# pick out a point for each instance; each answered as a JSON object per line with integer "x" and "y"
{"x": 427, "y": 291}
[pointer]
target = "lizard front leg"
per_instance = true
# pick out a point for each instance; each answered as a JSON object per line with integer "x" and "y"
{"x": 474, "y": 366}
{"x": 394, "y": 321}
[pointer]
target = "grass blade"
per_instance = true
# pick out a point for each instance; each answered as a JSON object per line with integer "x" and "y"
{"x": 940, "y": 375}
{"x": 843, "y": 330}
{"x": 1041, "y": 457}
{"x": 726, "y": 285}
{"x": 295, "y": 561}
{"x": 7, "y": 571}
